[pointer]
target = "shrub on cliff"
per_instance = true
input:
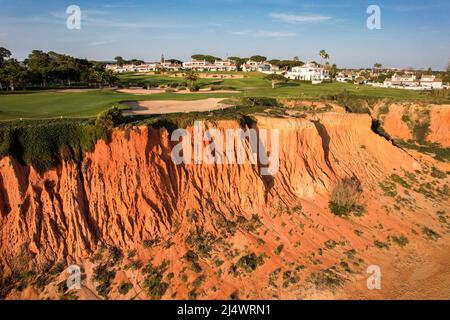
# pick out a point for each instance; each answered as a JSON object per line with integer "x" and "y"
{"x": 43, "y": 144}
{"x": 260, "y": 101}
{"x": 345, "y": 196}
{"x": 250, "y": 262}
{"x": 109, "y": 118}
{"x": 156, "y": 288}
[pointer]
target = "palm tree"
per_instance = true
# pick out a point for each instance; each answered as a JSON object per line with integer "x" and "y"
{"x": 191, "y": 77}
{"x": 377, "y": 66}
{"x": 323, "y": 56}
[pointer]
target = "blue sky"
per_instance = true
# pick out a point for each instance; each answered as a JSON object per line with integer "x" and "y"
{"x": 414, "y": 33}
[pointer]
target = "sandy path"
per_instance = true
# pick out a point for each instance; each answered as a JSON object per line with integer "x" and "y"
{"x": 172, "y": 106}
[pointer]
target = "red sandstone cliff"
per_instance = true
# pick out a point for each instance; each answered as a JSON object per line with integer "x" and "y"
{"x": 129, "y": 191}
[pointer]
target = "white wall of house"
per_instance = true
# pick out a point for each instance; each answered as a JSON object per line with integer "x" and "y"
{"x": 308, "y": 72}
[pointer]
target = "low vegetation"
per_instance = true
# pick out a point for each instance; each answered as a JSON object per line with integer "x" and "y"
{"x": 328, "y": 279}
{"x": 124, "y": 288}
{"x": 345, "y": 197}
{"x": 401, "y": 240}
{"x": 153, "y": 280}
{"x": 250, "y": 262}
{"x": 430, "y": 234}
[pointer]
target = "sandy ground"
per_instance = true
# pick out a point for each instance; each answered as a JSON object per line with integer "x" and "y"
{"x": 156, "y": 91}
{"x": 77, "y": 90}
{"x": 207, "y": 90}
{"x": 141, "y": 91}
{"x": 172, "y": 106}
{"x": 418, "y": 274}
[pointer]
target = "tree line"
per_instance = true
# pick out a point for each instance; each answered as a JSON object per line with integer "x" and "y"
{"x": 48, "y": 69}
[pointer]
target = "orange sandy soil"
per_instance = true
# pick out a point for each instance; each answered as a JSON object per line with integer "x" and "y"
{"x": 129, "y": 195}
{"x": 398, "y": 129}
{"x": 174, "y": 106}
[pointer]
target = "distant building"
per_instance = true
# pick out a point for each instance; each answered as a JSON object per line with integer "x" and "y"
{"x": 223, "y": 65}
{"x": 346, "y": 76}
{"x": 171, "y": 66}
{"x": 410, "y": 81}
{"x": 250, "y": 66}
{"x": 264, "y": 67}
{"x": 431, "y": 82}
{"x": 309, "y": 72}
{"x": 147, "y": 67}
{"x": 133, "y": 68}
{"x": 203, "y": 65}
{"x": 196, "y": 65}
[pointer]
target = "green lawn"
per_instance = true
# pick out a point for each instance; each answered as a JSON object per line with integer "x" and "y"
{"x": 47, "y": 104}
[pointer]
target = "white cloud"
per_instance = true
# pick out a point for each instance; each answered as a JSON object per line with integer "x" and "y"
{"x": 297, "y": 19}
{"x": 102, "y": 42}
{"x": 274, "y": 34}
{"x": 265, "y": 34}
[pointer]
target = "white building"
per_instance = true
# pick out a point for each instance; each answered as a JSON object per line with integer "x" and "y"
{"x": 197, "y": 65}
{"x": 203, "y": 65}
{"x": 223, "y": 65}
{"x": 250, "y": 66}
{"x": 268, "y": 68}
{"x": 264, "y": 67}
{"x": 308, "y": 72}
{"x": 410, "y": 81}
{"x": 148, "y": 67}
{"x": 430, "y": 82}
{"x": 133, "y": 68}
{"x": 171, "y": 66}
{"x": 346, "y": 77}
{"x": 121, "y": 69}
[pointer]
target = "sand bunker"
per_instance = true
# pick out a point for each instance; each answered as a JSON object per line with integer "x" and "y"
{"x": 172, "y": 106}
{"x": 141, "y": 91}
{"x": 158, "y": 90}
{"x": 207, "y": 90}
{"x": 77, "y": 90}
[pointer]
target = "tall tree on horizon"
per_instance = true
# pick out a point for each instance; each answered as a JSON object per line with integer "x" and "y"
{"x": 4, "y": 54}
{"x": 120, "y": 61}
{"x": 258, "y": 58}
{"x": 323, "y": 56}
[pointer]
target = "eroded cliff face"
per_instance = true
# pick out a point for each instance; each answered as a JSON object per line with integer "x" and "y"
{"x": 401, "y": 118}
{"x": 129, "y": 190}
